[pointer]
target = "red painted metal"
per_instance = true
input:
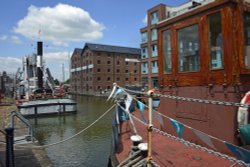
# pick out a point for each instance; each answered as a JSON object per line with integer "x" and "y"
{"x": 165, "y": 151}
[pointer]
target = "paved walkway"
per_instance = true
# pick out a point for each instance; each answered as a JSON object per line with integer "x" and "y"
{"x": 23, "y": 157}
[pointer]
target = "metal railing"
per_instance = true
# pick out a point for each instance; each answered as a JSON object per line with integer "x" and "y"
{"x": 24, "y": 120}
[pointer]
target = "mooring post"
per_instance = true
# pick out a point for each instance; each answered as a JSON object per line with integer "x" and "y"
{"x": 9, "y": 147}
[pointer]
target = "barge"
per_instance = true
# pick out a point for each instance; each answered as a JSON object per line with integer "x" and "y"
{"x": 204, "y": 84}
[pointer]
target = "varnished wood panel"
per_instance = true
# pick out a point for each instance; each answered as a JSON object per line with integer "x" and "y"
{"x": 233, "y": 46}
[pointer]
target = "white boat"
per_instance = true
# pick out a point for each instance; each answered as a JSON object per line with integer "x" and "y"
{"x": 47, "y": 106}
{"x": 36, "y": 93}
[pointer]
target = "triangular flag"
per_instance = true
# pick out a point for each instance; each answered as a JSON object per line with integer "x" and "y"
{"x": 141, "y": 106}
{"x": 118, "y": 90}
{"x": 205, "y": 138}
{"x": 239, "y": 152}
{"x": 128, "y": 102}
{"x": 112, "y": 92}
{"x": 178, "y": 126}
{"x": 158, "y": 117}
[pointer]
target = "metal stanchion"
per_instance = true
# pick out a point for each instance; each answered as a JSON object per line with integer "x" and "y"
{"x": 9, "y": 147}
{"x": 150, "y": 127}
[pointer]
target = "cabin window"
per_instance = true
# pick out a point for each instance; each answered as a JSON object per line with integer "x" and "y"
{"x": 247, "y": 39}
{"x": 188, "y": 49}
{"x": 167, "y": 53}
{"x": 215, "y": 41}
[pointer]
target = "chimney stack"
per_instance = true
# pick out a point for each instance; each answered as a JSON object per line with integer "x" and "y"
{"x": 40, "y": 64}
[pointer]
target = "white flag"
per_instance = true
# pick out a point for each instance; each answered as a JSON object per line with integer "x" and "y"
{"x": 128, "y": 102}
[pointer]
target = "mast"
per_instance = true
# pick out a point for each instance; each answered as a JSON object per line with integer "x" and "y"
{"x": 39, "y": 64}
{"x": 63, "y": 73}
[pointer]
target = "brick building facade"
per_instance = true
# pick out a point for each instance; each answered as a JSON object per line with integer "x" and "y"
{"x": 76, "y": 62}
{"x": 149, "y": 46}
{"x": 96, "y": 67}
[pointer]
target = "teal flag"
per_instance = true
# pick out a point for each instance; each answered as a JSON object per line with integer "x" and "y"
{"x": 141, "y": 106}
{"x": 118, "y": 90}
{"x": 178, "y": 126}
{"x": 239, "y": 152}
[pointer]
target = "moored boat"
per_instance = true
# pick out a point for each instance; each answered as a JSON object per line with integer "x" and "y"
{"x": 203, "y": 57}
{"x": 37, "y": 94}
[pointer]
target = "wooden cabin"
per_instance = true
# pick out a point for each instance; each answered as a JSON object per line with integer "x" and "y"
{"x": 204, "y": 53}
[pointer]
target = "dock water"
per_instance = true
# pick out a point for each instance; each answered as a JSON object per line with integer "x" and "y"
{"x": 91, "y": 147}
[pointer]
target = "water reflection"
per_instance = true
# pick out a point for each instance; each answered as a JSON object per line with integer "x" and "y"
{"x": 91, "y": 148}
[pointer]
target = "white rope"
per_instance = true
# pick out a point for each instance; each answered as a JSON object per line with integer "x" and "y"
{"x": 59, "y": 142}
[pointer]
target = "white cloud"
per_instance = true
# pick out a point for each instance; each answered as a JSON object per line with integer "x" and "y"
{"x": 10, "y": 64}
{"x": 12, "y": 38}
{"x": 15, "y": 39}
{"x": 56, "y": 57}
{"x": 60, "y": 24}
{"x": 145, "y": 20}
{"x": 58, "y": 43}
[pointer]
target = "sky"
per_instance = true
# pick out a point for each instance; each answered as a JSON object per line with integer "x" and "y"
{"x": 68, "y": 24}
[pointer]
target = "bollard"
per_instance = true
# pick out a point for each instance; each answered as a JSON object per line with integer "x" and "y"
{"x": 9, "y": 147}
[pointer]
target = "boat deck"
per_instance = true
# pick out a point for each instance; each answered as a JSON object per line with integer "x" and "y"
{"x": 166, "y": 151}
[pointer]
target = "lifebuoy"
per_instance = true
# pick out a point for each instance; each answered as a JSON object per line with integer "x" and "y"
{"x": 242, "y": 116}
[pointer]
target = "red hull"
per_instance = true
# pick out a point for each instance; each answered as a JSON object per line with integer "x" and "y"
{"x": 166, "y": 151}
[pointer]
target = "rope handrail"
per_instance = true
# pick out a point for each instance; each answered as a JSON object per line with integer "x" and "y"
{"x": 69, "y": 138}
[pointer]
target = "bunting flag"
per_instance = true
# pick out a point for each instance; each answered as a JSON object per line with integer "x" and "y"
{"x": 178, "y": 126}
{"x": 115, "y": 91}
{"x": 158, "y": 117}
{"x": 128, "y": 101}
{"x": 239, "y": 152}
{"x": 112, "y": 92}
{"x": 141, "y": 106}
{"x": 118, "y": 90}
{"x": 204, "y": 137}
